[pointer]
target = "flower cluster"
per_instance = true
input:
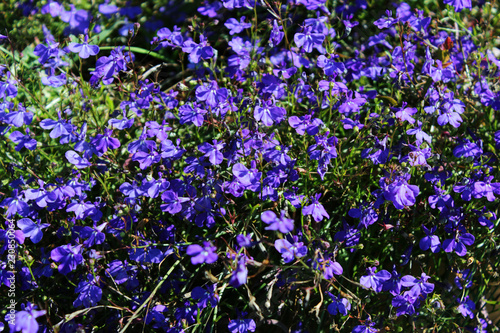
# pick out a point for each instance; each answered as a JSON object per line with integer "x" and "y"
{"x": 229, "y": 164}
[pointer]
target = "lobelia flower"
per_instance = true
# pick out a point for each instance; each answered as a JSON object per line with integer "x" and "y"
{"x": 276, "y": 34}
{"x": 316, "y": 209}
{"x": 268, "y": 113}
{"x": 191, "y": 114}
{"x": 23, "y": 141}
{"x": 404, "y": 304}
{"x": 405, "y": 114}
{"x": 430, "y": 241}
{"x": 419, "y": 286}
{"x": 289, "y": 251}
{"x": 85, "y": 49}
{"x": 366, "y": 328}
{"x": 25, "y": 320}
{"x": 459, "y": 4}
{"x": 89, "y": 293}
{"x": 365, "y": 213}
{"x": 211, "y": 94}
{"x": 375, "y": 280}
{"x": 400, "y": 192}
{"x": 309, "y": 40}
{"x": 197, "y": 51}
{"x": 212, "y": 152}
{"x": 466, "y": 148}
{"x": 419, "y": 134}
{"x": 242, "y": 326}
{"x": 458, "y": 242}
{"x": 466, "y": 307}
{"x": 282, "y": 224}
{"x": 68, "y": 257}
{"x": 203, "y": 254}
{"x": 237, "y": 27}
{"x": 205, "y": 295}
{"x": 486, "y": 189}
{"x": 31, "y": 229}
{"x": 240, "y": 274}
{"x": 338, "y": 305}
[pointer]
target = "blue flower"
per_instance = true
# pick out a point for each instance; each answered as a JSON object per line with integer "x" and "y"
{"x": 200, "y": 255}
{"x": 89, "y": 292}
{"x": 31, "y": 229}
{"x": 68, "y": 256}
{"x": 282, "y": 224}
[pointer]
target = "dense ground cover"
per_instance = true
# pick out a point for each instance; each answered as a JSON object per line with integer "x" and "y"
{"x": 240, "y": 165}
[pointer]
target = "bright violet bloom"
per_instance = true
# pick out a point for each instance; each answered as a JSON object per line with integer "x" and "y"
{"x": 200, "y": 255}
{"x": 25, "y": 320}
{"x": 338, "y": 305}
{"x": 466, "y": 307}
{"x": 237, "y": 27}
{"x": 375, "y": 280}
{"x": 240, "y": 274}
{"x": 198, "y": 51}
{"x": 213, "y": 151}
{"x": 268, "y": 113}
{"x": 211, "y": 94}
{"x": 309, "y": 40}
{"x": 23, "y": 141}
{"x": 68, "y": 257}
{"x": 290, "y": 251}
{"x": 418, "y": 286}
{"x": 404, "y": 304}
{"x": 458, "y": 243}
{"x": 89, "y": 293}
{"x": 31, "y": 229}
{"x": 316, "y": 209}
{"x": 282, "y": 224}
{"x": 400, "y": 192}
{"x": 85, "y": 49}
{"x": 430, "y": 241}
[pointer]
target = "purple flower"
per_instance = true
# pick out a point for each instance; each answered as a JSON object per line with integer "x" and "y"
{"x": 237, "y": 27}
{"x": 23, "y": 141}
{"x": 172, "y": 202}
{"x": 213, "y": 151}
{"x": 400, "y": 192}
{"x": 31, "y": 229}
{"x": 338, "y": 305}
{"x": 419, "y": 134}
{"x": 205, "y": 295}
{"x": 242, "y": 326}
{"x": 404, "y": 304}
{"x": 197, "y": 51}
{"x": 203, "y": 254}
{"x": 89, "y": 293}
{"x": 240, "y": 274}
{"x": 68, "y": 256}
{"x": 418, "y": 286}
{"x": 191, "y": 114}
{"x": 25, "y": 320}
{"x": 405, "y": 113}
{"x": 467, "y": 149}
{"x": 268, "y": 113}
{"x": 282, "y": 224}
{"x": 466, "y": 307}
{"x": 375, "y": 280}
{"x": 290, "y": 251}
{"x": 308, "y": 40}
{"x": 211, "y": 94}
{"x": 430, "y": 241}
{"x": 315, "y": 209}
{"x": 276, "y": 34}
{"x": 366, "y": 214}
{"x": 459, "y": 4}
{"x": 85, "y": 49}
{"x": 458, "y": 243}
